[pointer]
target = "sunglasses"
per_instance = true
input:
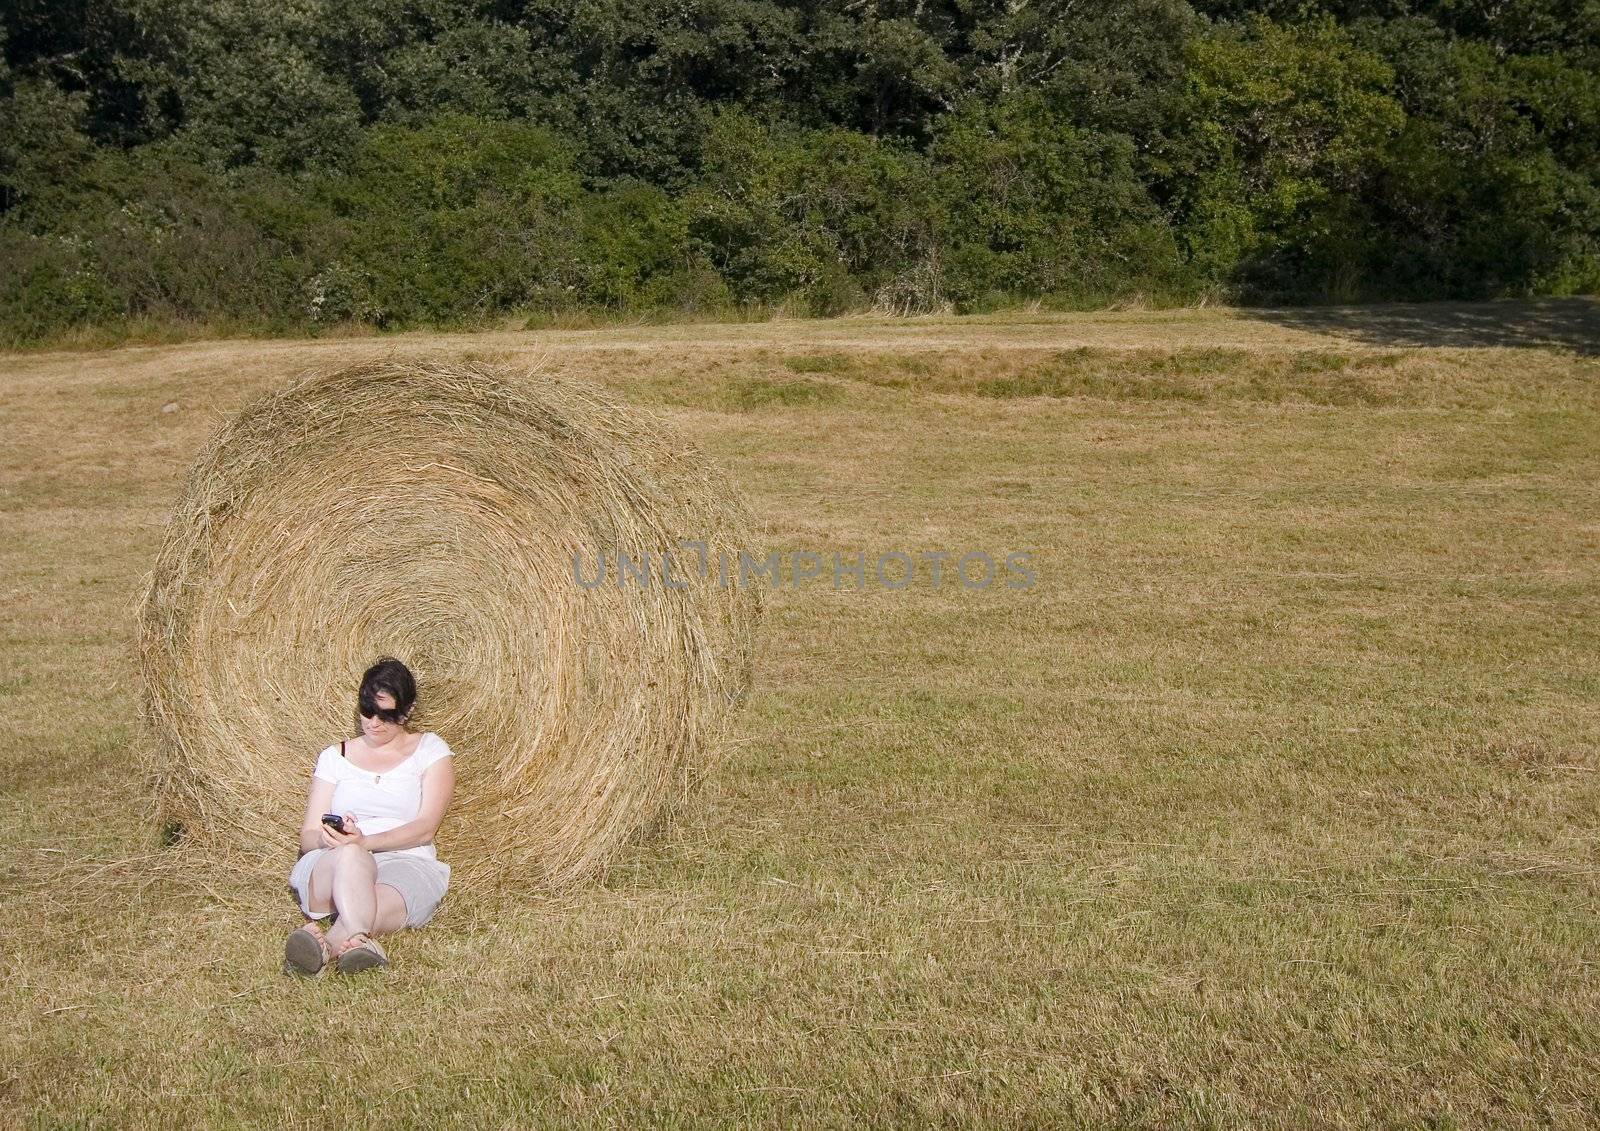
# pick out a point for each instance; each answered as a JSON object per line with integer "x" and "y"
{"x": 370, "y": 710}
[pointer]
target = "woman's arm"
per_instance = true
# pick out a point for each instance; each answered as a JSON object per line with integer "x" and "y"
{"x": 438, "y": 784}
{"x": 317, "y": 803}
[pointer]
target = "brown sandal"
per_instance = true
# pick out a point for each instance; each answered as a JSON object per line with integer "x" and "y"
{"x": 360, "y": 952}
{"x": 306, "y": 951}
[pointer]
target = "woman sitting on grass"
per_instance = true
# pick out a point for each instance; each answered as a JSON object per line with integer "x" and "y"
{"x": 377, "y": 872}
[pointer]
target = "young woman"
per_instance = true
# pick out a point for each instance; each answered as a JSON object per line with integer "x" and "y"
{"x": 378, "y": 872}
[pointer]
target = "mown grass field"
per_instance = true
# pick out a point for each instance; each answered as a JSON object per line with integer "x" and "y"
{"x": 1272, "y": 802}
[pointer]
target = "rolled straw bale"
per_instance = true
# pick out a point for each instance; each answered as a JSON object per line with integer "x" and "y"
{"x": 431, "y": 511}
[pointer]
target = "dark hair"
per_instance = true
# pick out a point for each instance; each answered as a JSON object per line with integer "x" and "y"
{"x": 390, "y": 675}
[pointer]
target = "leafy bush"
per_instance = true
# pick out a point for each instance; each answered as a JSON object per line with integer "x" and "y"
{"x": 1029, "y": 204}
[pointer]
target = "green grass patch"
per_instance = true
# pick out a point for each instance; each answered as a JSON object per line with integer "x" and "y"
{"x": 1409, "y": 378}
{"x": 753, "y": 393}
{"x": 818, "y": 363}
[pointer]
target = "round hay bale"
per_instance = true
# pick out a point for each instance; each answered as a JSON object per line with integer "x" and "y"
{"x": 433, "y": 511}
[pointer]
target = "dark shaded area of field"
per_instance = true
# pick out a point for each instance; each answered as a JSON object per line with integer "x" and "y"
{"x": 1546, "y": 323}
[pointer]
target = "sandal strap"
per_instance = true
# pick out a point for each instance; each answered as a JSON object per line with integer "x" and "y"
{"x": 359, "y": 939}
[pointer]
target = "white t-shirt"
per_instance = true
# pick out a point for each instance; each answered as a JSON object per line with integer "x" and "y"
{"x": 382, "y": 801}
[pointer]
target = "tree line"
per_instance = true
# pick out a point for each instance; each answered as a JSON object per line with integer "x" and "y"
{"x": 282, "y": 165}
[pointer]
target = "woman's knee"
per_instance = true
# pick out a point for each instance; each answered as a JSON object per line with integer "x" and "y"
{"x": 348, "y": 856}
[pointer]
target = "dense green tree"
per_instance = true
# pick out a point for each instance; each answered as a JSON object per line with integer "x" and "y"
{"x": 410, "y": 60}
{"x": 1287, "y": 125}
{"x": 122, "y": 56}
{"x": 1030, "y": 204}
{"x": 404, "y": 162}
{"x": 1507, "y": 27}
{"x": 43, "y": 148}
{"x": 256, "y": 90}
{"x": 639, "y": 82}
{"x": 463, "y": 217}
{"x": 1115, "y": 68}
{"x": 1493, "y": 187}
{"x": 830, "y": 215}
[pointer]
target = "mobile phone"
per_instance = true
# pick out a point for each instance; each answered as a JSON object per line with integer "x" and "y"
{"x": 333, "y": 821}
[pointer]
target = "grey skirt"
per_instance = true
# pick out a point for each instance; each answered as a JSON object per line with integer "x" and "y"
{"x": 420, "y": 881}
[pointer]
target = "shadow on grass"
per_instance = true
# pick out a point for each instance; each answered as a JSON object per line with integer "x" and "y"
{"x": 1562, "y": 323}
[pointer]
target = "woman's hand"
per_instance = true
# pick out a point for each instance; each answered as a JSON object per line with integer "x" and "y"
{"x": 333, "y": 838}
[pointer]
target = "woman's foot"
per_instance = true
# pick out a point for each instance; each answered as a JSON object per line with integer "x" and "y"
{"x": 360, "y": 952}
{"x": 306, "y": 951}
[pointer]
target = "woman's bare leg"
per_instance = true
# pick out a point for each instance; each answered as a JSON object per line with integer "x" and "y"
{"x": 363, "y": 904}
{"x": 319, "y": 888}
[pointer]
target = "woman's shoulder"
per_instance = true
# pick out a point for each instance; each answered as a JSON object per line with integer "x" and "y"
{"x": 432, "y": 747}
{"x": 329, "y": 762}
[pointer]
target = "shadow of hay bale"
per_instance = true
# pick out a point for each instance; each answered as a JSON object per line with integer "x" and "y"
{"x": 456, "y": 516}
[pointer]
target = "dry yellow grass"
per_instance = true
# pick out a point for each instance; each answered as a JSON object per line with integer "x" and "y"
{"x": 1274, "y": 801}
